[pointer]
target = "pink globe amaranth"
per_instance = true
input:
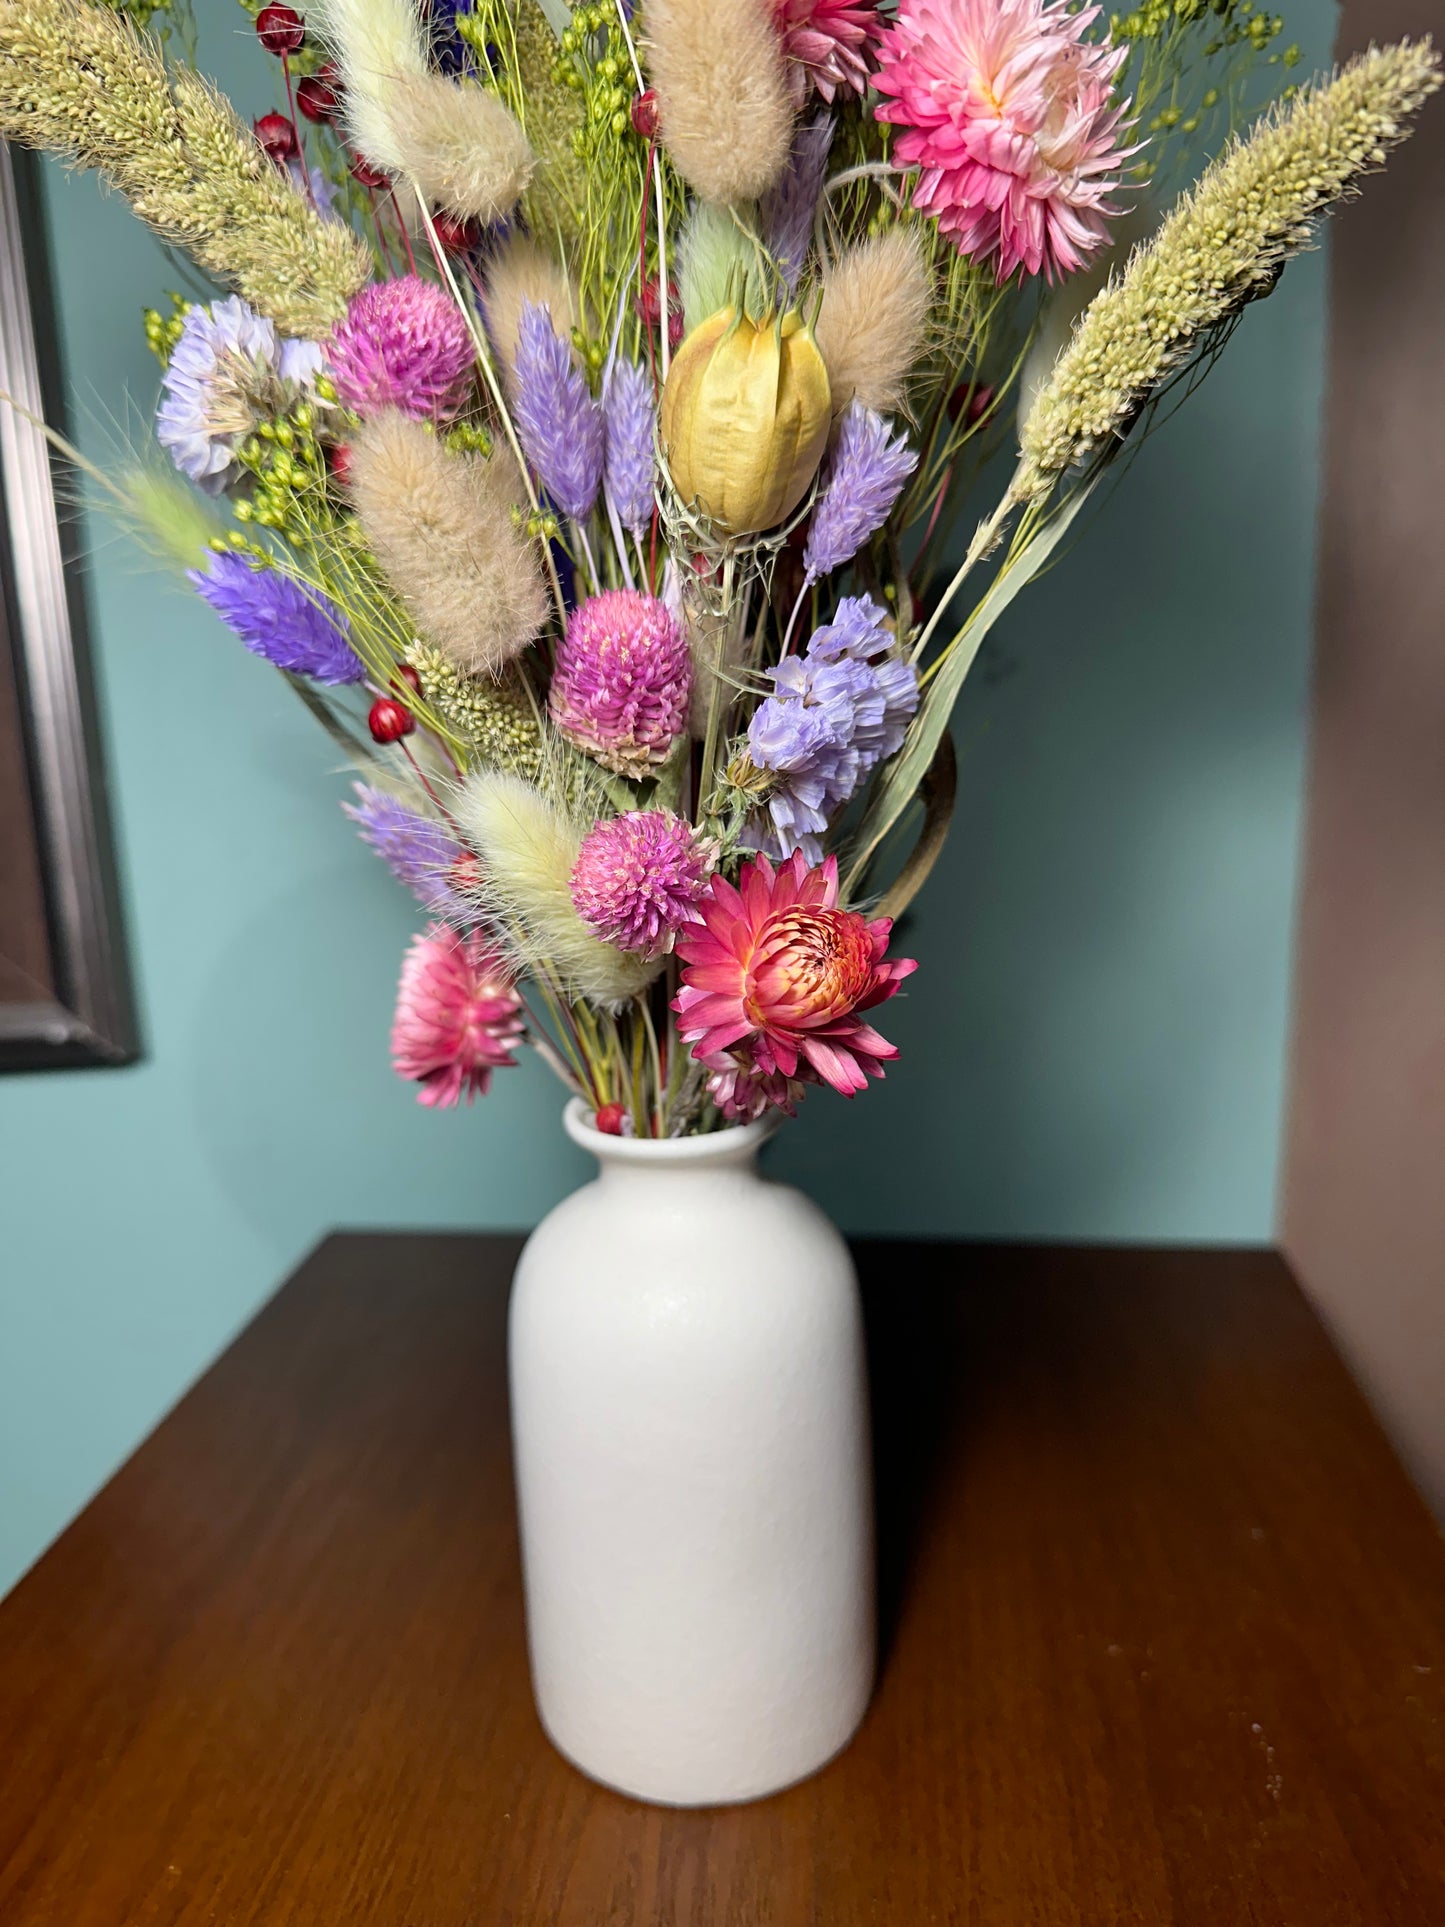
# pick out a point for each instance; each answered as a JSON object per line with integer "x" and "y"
{"x": 1007, "y": 109}
{"x": 402, "y": 345}
{"x": 775, "y": 976}
{"x": 622, "y": 681}
{"x": 458, "y": 1017}
{"x": 825, "y": 43}
{"x": 637, "y": 877}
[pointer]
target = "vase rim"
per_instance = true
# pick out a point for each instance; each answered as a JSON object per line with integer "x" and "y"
{"x": 711, "y": 1147}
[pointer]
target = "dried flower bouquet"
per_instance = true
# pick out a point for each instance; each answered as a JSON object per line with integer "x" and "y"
{"x": 580, "y": 417}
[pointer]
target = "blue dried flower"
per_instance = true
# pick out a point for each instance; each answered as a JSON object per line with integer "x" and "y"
{"x": 630, "y": 413}
{"x": 834, "y": 714}
{"x": 228, "y": 370}
{"x": 865, "y": 478}
{"x": 417, "y": 850}
{"x": 558, "y": 423}
{"x": 295, "y": 629}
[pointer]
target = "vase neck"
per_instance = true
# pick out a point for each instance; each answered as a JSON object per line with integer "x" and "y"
{"x": 732, "y": 1153}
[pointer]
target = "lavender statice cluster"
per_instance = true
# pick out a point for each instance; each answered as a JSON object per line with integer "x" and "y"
{"x": 835, "y": 712}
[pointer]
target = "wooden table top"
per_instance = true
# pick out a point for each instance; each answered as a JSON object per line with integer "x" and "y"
{"x": 1164, "y": 1633}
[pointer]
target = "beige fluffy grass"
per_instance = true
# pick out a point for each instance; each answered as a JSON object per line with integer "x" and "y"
{"x": 458, "y": 144}
{"x": 375, "y": 44}
{"x": 722, "y": 95}
{"x": 528, "y": 847}
{"x": 873, "y": 322}
{"x": 440, "y": 525}
{"x": 521, "y": 272}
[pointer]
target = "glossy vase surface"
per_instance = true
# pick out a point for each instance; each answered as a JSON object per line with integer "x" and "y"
{"x": 690, "y": 1418}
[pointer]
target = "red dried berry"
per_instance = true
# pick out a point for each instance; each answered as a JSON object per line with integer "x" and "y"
{"x": 644, "y": 115}
{"x": 610, "y": 1119}
{"x": 457, "y": 234}
{"x": 338, "y": 460}
{"x": 465, "y": 874}
{"x": 280, "y": 30}
{"x": 405, "y": 673}
{"x": 277, "y": 136}
{"x": 970, "y": 402}
{"x": 389, "y": 720}
{"x": 369, "y": 176}
{"x": 319, "y": 94}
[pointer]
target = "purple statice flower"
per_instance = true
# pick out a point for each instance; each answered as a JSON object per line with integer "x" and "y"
{"x": 865, "y": 477}
{"x": 788, "y": 208}
{"x": 418, "y": 850}
{"x": 298, "y": 630}
{"x": 629, "y": 414}
{"x": 637, "y": 877}
{"x": 559, "y": 424}
{"x": 452, "y": 52}
{"x": 403, "y": 345}
{"x": 229, "y": 370}
{"x": 834, "y": 714}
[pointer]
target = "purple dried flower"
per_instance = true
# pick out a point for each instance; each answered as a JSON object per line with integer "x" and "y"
{"x": 559, "y": 424}
{"x": 637, "y": 877}
{"x": 833, "y": 716}
{"x": 296, "y": 629}
{"x": 419, "y": 851}
{"x": 228, "y": 370}
{"x": 622, "y": 682}
{"x": 402, "y": 345}
{"x": 865, "y": 477}
{"x": 789, "y": 207}
{"x": 630, "y": 413}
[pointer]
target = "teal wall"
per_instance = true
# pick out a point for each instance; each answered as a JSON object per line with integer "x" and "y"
{"x": 1093, "y": 1047}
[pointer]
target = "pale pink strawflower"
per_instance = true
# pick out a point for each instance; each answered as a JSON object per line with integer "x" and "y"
{"x": 775, "y": 976}
{"x": 825, "y": 43}
{"x": 637, "y": 877}
{"x": 402, "y": 345}
{"x": 743, "y": 1093}
{"x": 457, "y": 1017}
{"x": 622, "y": 682}
{"x": 1007, "y": 108}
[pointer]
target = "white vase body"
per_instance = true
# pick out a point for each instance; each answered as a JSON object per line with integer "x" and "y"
{"x": 690, "y": 1419}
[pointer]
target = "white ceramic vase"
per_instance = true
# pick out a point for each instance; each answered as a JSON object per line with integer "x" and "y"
{"x": 690, "y": 1417}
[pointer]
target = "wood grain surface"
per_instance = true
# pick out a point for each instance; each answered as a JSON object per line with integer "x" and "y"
{"x": 1165, "y": 1633}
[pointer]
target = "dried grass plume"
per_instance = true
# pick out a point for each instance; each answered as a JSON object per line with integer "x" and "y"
{"x": 376, "y": 44}
{"x": 722, "y": 94}
{"x": 873, "y": 324}
{"x": 528, "y": 848}
{"x": 77, "y": 80}
{"x": 440, "y": 525}
{"x": 520, "y": 272}
{"x": 458, "y": 144}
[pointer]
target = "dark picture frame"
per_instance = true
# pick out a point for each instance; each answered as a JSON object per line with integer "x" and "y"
{"x": 65, "y": 996}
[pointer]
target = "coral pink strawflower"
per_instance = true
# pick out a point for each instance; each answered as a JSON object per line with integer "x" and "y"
{"x": 1007, "y": 109}
{"x": 457, "y": 1017}
{"x": 775, "y": 974}
{"x": 825, "y": 43}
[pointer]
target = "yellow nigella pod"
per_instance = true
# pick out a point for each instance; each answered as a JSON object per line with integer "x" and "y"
{"x": 745, "y": 417}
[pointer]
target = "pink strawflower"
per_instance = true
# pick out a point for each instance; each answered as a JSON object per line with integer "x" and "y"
{"x": 775, "y": 974}
{"x": 402, "y": 345}
{"x": 825, "y": 43}
{"x": 1008, "y": 110}
{"x": 743, "y": 1093}
{"x": 637, "y": 877}
{"x": 457, "y": 1017}
{"x": 622, "y": 681}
